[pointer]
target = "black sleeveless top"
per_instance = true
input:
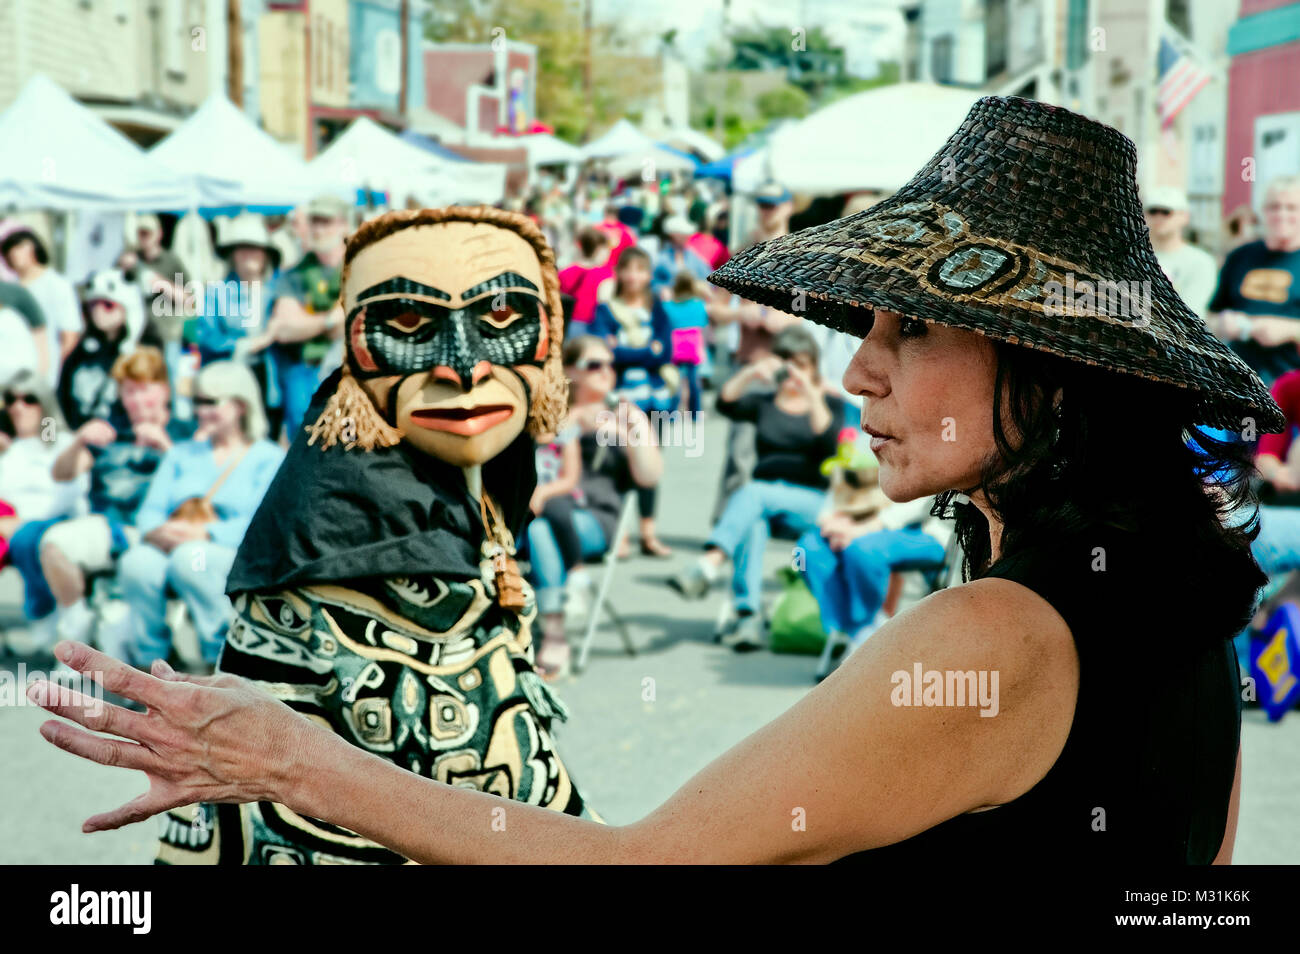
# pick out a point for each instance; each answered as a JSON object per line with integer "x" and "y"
{"x": 1147, "y": 769}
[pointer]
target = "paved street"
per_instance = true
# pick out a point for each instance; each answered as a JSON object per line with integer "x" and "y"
{"x": 627, "y": 754}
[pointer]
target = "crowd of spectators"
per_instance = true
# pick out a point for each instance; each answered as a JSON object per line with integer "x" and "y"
{"x": 138, "y": 435}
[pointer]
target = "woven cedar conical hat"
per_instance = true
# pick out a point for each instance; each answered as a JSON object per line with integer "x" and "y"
{"x": 1025, "y": 227}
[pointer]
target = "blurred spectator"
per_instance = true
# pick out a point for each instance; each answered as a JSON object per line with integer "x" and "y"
{"x": 620, "y": 236}
{"x": 27, "y": 255}
{"x": 1191, "y": 270}
{"x": 25, "y": 349}
{"x": 677, "y": 256}
{"x": 233, "y": 325}
{"x": 797, "y": 427}
{"x": 17, "y": 302}
{"x": 1278, "y": 458}
{"x": 849, "y": 557}
{"x": 1241, "y": 226}
{"x": 118, "y": 465}
{"x": 31, "y": 439}
{"x": 576, "y": 527}
{"x": 288, "y": 235}
{"x": 116, "y": 322}
{"x": 195, "y": 513}
{"x": 775, "y": 206}
{"x": 1257, "y": 303}
{"x": 590, "y": 279}
{"x": 633, "y": 322}
{"x": 161, "y": 278}
{"x": 306, "y": 314}
{"x": 688, "y": 324}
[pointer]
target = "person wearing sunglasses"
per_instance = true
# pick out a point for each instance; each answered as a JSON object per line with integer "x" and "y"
{"x": 577, "y": 527}
{"x": 228, "y": 463}
{"x": 30, "y": 501}
{"x": 1192, "y": 270}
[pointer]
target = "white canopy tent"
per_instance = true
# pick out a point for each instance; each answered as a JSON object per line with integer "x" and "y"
{"x": 621, "y": 139}
{"x": 651, "y": 162}
{"x": 59, "y": 155}
{"x": 218, "y": 141}
{"x": 876, "y": 139}
{"x": 368, "y": 156}
{"x": 692, "y": 140}
{"x": 546, "y": 150}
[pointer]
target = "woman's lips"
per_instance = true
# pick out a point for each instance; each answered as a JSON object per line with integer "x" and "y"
{"x": 465, "y": 421}
{"x": 878, "y": 438}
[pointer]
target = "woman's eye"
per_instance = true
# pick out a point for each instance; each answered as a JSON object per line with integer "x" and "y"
{"x": 912, "y": 328}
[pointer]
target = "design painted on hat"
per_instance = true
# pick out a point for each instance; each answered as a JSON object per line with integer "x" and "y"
{"x": 934, "y": 244}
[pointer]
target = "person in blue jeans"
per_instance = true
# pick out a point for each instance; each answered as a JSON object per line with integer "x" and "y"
{"x": 230, "y": 463}
{"x": 847, "y": 563}
{"x": 610, "y": 453}
{"x": 797, "y": 428}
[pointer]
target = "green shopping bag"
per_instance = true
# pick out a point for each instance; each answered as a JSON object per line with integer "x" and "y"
{"x": 796, "y": 620}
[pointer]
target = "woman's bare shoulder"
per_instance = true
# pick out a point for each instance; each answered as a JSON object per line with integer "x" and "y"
{"x": 1006, "y": 634}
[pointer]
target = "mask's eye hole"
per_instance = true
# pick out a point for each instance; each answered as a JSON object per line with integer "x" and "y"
{"x": 502, "y": 311}
{"x": 407, "y": 322}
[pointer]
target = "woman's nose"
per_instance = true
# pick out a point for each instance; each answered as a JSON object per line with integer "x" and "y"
{"x": 863, "y": 375}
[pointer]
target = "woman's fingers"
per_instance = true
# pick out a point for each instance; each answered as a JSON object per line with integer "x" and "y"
{"x": 141, "y": 808}
{"x": 95, "y": 714}
{"x": 96, "y": 748}
{"x": 116, "y": 677}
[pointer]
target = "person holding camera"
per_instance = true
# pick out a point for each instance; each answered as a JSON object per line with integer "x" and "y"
{"x": 797, "y": 425}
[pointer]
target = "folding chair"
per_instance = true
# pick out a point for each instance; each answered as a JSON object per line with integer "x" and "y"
{"x": 621, "y": 533}
{"x": 933, "y": 576}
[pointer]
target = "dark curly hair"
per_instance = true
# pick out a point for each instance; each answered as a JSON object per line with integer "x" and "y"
{"x": 1115, "y": 452}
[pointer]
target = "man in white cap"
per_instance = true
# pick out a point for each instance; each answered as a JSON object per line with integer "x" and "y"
{"x": 1192, "y": 271}
{"x": 677, "y": 256}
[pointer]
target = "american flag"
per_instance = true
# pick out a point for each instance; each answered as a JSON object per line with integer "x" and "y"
{"x": 1180, "y": 77}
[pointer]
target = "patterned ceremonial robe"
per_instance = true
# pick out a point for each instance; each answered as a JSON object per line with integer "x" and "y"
{"x": 433, "y": 676}
{"x": 425, "y": 670}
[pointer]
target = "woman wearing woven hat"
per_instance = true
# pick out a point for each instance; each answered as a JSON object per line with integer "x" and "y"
{"x": 1076, "y": 701}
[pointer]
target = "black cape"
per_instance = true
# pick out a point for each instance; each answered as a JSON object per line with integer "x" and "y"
{"x": 339, "y": 515}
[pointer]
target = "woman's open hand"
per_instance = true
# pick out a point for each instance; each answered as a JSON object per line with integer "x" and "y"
{"x": 203, "y": 739}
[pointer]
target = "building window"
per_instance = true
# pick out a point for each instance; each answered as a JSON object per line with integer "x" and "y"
{"x": 941, "y": 59}
{"x": 1179, "y": 15}
{"x": 1076, "y": 34}
{"x": 995, "y": 37}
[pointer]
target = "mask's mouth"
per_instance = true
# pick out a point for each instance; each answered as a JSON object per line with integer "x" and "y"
{"x": 465, "y": 421}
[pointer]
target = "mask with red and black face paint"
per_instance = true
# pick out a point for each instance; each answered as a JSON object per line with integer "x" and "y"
{"x": 447, "y": 331}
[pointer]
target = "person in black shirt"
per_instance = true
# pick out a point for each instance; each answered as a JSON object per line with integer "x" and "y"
{"x": 115, "y": 325}
{"x": 1256, "y": 307}
{"x": 796, "y": 431}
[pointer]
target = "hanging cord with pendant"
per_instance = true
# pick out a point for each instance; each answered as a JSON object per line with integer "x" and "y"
{"x": 509, "y": 583}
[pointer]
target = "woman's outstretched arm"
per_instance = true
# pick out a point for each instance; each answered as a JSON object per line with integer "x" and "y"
{"x": 844, "y": 769}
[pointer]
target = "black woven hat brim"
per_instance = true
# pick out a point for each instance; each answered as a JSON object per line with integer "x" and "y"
{"x": 1041, "y": 216}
